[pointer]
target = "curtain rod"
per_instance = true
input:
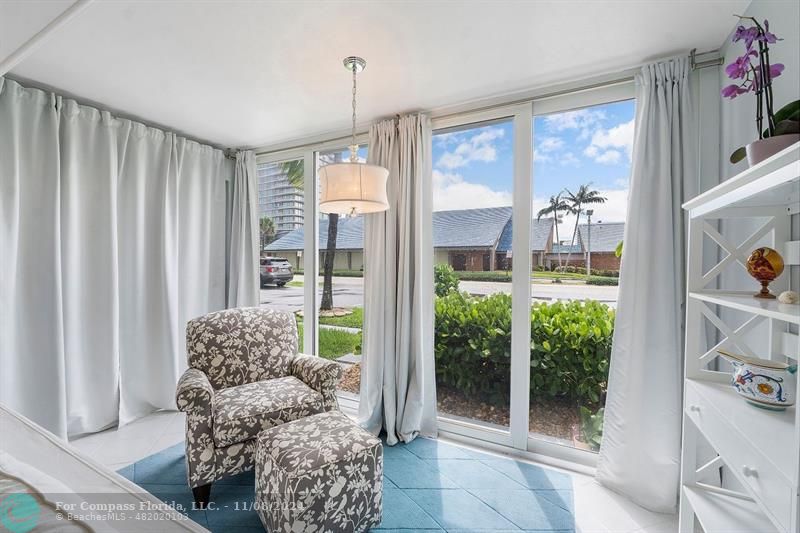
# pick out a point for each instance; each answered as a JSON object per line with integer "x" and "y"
{"x": 695, "y": 65}
{"x": 28, "y": 47}
{"x": 31, "y": 84}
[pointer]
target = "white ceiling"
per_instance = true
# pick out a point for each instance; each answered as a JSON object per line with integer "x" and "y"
{"x": 250, "y": 73}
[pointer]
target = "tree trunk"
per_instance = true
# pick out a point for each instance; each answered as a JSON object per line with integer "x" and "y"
{"x": 330, "y": 255}
{"x": 558, "y": 243}
{"x": 574, "y": 234}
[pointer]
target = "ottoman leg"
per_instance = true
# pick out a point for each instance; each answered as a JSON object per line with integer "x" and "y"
{"x": 202, "y": 495}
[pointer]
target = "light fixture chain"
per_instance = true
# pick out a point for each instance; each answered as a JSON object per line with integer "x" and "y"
{"x": 353, "y": 147}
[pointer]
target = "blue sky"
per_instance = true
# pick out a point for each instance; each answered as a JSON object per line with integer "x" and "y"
{"x": 474, "y": 167}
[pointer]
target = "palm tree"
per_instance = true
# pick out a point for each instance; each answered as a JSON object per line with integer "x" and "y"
{"x": 295, "y": 174}
{"x": 267, "y": 231}
{"x": 555, "y": 206}
{"x": 575, "y": 201}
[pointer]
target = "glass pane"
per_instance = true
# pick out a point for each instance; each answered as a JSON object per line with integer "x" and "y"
{"x": 280, "y": 211}
{"x": 341, "y": 285}
{"x": 473, "y": 179}
{"x": 581, "y": 174}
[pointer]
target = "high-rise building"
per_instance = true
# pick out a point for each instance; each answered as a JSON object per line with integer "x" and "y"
{"x": 278, "y": 199}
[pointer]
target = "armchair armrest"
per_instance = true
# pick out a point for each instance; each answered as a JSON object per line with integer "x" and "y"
{"x": 194, "y": 392}
{"x": 319, "y": 374}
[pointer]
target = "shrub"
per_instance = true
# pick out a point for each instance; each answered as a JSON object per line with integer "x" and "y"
{"x": 571, "y": 269}
{"x": 571, "y": 344}
{"x": 480, "y": 275}
{"x": 606, "y": 273}
{"x": 592, "y": 427}
{"x": 473, "y": 343}
{"x": 571, "y": 348}
{"x": 444, "y": 279}
{"x": 598, "y": 280}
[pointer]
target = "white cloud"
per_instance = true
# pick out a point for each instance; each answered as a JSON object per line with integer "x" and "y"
{"x": 615, "y": 209}
{"x": 569, "y": 159}
{"x": 550, "y": 144}
{"x": 609, "y": 157}
{"x": 607, "y": 144}
{"x": 478, "y": 147}
{"x": 581, "y": 119}
{"x": 450, "y": 191}
{"x": 540, "y": 157}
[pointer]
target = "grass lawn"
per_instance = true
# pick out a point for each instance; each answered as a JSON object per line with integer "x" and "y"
{"x": 295, "y": 284}
{"x": 334, "y": 343}
{"x": 354, "y": 320}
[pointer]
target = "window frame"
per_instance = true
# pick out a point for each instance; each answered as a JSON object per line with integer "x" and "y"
{"x": 309, "y": 153}
{"x": 516, "y": 440}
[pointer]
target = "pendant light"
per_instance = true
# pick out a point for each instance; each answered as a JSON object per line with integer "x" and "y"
{"x": 353, "y": 188}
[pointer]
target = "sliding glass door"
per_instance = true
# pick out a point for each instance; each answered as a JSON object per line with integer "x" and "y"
{"x": 473, "y": 184}
{"x": 281, "y": 213}
{"x": 582, "y": 152}
{"x": 340, "y": 285}
{"x": 477, "y": 171}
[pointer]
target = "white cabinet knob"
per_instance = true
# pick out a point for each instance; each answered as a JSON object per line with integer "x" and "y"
{"x": 749, "y": 472}
{"x": 695, "y": 408}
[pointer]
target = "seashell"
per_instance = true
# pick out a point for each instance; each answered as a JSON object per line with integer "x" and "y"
{"x": 789, "y": 297}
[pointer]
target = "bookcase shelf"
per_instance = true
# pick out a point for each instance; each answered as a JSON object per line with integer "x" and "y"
{"x": 740, "y": 464}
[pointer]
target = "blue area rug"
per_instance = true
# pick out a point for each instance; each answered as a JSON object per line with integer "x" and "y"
{"x": 428, "y": 486}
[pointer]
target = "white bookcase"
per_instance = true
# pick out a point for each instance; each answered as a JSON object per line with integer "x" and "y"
{"x": 740, "y": 464}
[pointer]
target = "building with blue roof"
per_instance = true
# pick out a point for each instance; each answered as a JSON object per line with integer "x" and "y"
{"x": 466, "y": 239}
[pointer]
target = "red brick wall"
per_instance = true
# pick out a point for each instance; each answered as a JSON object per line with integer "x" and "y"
{"x": 600, "y": 261}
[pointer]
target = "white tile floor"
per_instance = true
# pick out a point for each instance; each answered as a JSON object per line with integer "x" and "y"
{"x": 597, "y": 509}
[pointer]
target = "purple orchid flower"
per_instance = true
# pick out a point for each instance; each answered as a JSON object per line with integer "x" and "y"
{"x": 748, "y": 34}
{"x": 768, "y": 37}
{"x": 732, "y": 91}
{"x": 739, "y": 68}
{"x": 775, "y": 70}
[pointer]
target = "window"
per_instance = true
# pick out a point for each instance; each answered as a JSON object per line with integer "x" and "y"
{"x": 580, "y": 189}
{"x": 473, "y": 181}
{"x": 341, "y": 285}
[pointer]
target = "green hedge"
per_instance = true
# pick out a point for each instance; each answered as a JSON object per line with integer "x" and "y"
{"x": 597, "y": 280}
{"x": 444, "y": 279}
{"x": 571, "y": 344}
{"x": 480, "y": 275}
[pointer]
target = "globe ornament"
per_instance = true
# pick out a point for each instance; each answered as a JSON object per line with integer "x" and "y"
{"x": 765, "y": 264}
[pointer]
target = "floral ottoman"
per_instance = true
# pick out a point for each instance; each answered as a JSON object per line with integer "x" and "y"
{"x": 320, "y": 473}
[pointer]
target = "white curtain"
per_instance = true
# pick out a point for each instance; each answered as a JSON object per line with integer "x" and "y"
{"x": 244, "y": 280}
{"x": 398, "y": 389}
{"x": 640, "y": 452}
{"x": 112, "y": 235}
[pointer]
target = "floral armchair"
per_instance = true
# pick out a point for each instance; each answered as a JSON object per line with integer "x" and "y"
{"x": 244, "y": 376}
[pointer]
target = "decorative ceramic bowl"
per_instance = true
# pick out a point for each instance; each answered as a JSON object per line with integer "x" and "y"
{"x": 765, "y": 264}
{"x": 763, "y": 383}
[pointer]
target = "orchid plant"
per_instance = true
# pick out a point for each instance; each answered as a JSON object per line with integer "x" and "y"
{"x": 753, "y": 72}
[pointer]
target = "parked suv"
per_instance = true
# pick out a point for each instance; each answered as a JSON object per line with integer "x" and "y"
{"x": 276, "y": 270}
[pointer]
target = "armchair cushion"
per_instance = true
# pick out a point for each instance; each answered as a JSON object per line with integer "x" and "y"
{"x": 194, "y": 392}
{"x": 241, "y": 412}
{"x": 321, "y": 375}
{"x": 245, "y": 345}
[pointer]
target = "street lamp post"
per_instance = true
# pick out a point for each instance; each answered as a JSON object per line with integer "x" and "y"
{"x": 589, "y": 213}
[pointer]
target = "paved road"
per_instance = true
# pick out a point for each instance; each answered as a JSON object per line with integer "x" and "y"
{"x": 349, "y": 292}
